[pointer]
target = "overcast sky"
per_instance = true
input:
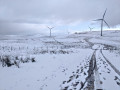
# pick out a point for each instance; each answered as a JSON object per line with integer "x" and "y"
{"x": 32, "y": 16}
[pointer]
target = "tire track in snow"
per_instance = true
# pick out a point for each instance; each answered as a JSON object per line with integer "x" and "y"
{"x": 113, "y": 67}
{"x": 90, "y": 43}
{"x": 91, "y": 80}
{"x": 94, "y": 81}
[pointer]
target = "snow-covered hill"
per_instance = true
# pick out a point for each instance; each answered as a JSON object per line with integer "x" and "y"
{"x": 82, "y": 61}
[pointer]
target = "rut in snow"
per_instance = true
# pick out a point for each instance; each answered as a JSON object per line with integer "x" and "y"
{"x": 113, "y": 67}
{"x": 93, "y": 79}
{"x": 90, "y": 79}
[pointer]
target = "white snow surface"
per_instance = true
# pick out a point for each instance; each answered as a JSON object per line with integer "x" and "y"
{"x": 61, "y": 61}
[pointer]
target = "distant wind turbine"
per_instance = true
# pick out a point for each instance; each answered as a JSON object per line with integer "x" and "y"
{"x": 102, "y": 20}
{"x": 50, "y": 28}
{"x": 90, "y": 28}
{"x": 68, "y": 32}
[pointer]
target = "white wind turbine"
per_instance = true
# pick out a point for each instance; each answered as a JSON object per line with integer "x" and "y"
{"x": 50, "y": 28}
{"x": 90, "y": 28}
{"x": 102, "y": 20}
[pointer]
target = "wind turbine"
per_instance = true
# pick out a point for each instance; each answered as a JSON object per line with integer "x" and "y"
{"x": 102, "y": 20}
{"x": 90, "y": 28}
{"x": 68, "y": 32}
{"x": 50, "y": 28}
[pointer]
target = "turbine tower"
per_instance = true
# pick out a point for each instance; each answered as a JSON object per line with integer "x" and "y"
{"x": 102, "y": 20}
{"x": 50, "y": 28}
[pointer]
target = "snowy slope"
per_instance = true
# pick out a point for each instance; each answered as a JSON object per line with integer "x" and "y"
{"x": 84, "y": 61}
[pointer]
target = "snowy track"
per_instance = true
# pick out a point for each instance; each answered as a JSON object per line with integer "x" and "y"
{"x": 88, "y": 83}
{"x": 90, "y": 78}
{"x": 113, "y": 67}
{"x": 93, "y": 79}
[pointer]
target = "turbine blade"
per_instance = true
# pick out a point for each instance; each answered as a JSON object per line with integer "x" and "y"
{"x": 48, "y": 27}
{"x": 97, "y": 19}
{"x": 104, "y": 13}
{"x": 91, "y": 28}
{"x": 106, "y": 24}
{"x": 52, "y": 27}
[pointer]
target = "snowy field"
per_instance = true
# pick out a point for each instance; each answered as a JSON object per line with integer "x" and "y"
{"x": 81, "y": 61}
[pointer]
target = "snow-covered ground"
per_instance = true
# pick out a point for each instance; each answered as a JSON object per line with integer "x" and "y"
{"x": 84, "y": 61}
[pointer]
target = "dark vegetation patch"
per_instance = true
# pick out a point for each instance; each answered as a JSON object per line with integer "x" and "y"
{"x": 8, "y": 61}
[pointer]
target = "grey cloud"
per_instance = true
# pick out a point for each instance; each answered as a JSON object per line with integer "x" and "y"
{"x": 8, "y": 28}
{"x": 53, "y": 11}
